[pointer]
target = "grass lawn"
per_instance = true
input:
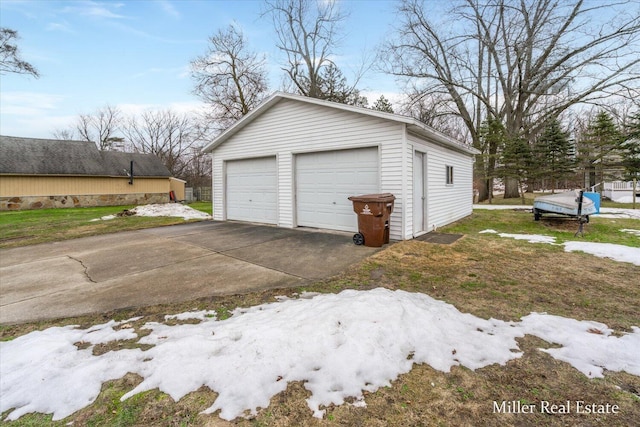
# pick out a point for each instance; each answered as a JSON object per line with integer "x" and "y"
{"x": 481, "y": 274}
{"x": 20, "y": 228}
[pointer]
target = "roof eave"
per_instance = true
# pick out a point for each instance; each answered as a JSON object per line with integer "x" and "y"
{"x": 418, "y": 127}
{"x": 433, "y": 135}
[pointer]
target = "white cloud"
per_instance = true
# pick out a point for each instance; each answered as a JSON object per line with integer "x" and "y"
{"x": 59, "y": 26}
{"x": 28, "y": 103}
{"x": 95, "y": 9}
{"x": 169, "y": 9}
{"x": 32, "y": 114}
{"x": 185, "y": 107}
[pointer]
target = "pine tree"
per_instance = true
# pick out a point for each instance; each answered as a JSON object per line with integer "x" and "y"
{"x": 555, "y": 154}
{"x": 601, "y": 143}
{"x": 383, "y": 104}
{"x": 630, "y": 148}
{"x": 333, "y": 87}
{"x": 492, "y": 137}
{"x": 516, "y": 163}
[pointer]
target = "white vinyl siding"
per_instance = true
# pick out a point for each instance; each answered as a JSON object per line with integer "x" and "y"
{"x": 288, "y": 128}
{"x": 292, "y": 127}
{"x": 446, "y": 203}
{"x": 252, "y": 190}
{"x": 326, "y": 179}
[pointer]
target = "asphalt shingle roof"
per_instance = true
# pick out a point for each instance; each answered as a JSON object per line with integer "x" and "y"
{"x": 32, "y": 156}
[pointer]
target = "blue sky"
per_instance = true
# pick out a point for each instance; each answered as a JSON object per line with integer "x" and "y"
{"x": 136, "y": 54}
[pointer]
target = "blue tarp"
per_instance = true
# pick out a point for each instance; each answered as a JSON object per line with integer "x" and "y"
{"x": 595, "y": 197}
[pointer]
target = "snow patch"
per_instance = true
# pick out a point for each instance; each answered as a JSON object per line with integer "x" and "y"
{"x": 338, "y": 345}
{"x": 619, "y": 213}
{"x": 612, "y": 251}
{"x": 162, "y": 209}
{"x": 44, "y": 371}
{"x": 531, "y": 238}
{"x": 197, "y": 315}
{"x": 615, "y": 252}
{"x": 625, "y": 199}
{"x": 631, "y": 230}
{"x": 170, "y": 209}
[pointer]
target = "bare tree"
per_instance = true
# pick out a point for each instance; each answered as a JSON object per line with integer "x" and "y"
{"x": 197, "y": 171}
{"x": 308, "y": 33}
{"x": 101, "y": 127}
{"x": 523, "y": 62}
{"x": 229, "y": 77}
{"x": 10, "y": 61}
{"x": 433, "y": 109}
{"x": 167, "y": 134}
{"x": 64, "y": 134}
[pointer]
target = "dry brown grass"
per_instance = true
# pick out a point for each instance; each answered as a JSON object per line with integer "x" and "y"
{"x": 479, "y": 274}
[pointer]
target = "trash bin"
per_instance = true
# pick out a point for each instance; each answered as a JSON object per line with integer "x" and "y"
{"x": 374, "y": 211}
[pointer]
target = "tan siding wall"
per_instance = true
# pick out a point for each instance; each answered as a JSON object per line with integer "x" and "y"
{"x": 15, "y": 186}
{"x": 177, "y": 186}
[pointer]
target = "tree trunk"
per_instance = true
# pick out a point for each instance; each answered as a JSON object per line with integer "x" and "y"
{"x": 482, "y": 185}
{"x": 511, "y": 188}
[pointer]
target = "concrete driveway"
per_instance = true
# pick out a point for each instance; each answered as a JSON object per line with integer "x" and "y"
{"x": 163, "y": 265}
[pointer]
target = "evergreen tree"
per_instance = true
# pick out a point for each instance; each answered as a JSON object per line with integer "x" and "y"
{"x": 597, "y": 148}
{"x": 492, "y": 137}
{"x": 554, "y": 154}
{"x": 333, "y": 87}
{"x": 630, "y": 148}
{"x": 383, "y": 104}
{"x": 516, "y": 163}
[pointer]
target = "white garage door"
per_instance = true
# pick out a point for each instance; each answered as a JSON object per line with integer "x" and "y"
{"x": 252, "y": 190}
{"x": 325, "y": 180}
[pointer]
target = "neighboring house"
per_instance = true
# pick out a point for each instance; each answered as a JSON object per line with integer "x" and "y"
{"x": 44, "y": 173}
{"x": 294, "y": 160}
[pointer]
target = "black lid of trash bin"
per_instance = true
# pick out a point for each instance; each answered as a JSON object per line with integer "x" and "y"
{"x": 372, "y": 198}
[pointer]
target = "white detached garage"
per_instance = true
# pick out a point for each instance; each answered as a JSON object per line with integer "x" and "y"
{"x": 294, "y": 160}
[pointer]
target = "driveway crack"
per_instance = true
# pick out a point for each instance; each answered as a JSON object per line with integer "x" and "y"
{"x": 86, "y": 272}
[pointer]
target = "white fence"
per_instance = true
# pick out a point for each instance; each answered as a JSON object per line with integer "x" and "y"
{"x": 620, "y": 191}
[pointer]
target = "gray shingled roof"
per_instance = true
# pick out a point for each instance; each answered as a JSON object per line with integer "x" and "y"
{"x": 31, "y": 156}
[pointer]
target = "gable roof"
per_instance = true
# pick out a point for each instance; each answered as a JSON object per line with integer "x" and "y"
{"x": 33, "y": 156}
{"x": 414, "y": 126}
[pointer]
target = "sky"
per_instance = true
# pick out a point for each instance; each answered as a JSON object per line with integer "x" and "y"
{"x": 135, "y": 54}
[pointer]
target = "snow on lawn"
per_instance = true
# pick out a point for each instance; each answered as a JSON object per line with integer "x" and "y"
{"x": 606, "y": 250}
{"x": 164, "y": 209}
{"x": 531, "y": 238}
{"x": 337, "y": 344}
{"x": 619, "y": 213}
{"x": 615, "y": 252}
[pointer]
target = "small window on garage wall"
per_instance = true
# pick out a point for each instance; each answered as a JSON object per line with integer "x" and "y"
{"x": 449, "y": 175}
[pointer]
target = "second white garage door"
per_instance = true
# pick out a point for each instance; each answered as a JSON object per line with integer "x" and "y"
{"x": 325, "y": 180}
{"x": 252, "y": 190}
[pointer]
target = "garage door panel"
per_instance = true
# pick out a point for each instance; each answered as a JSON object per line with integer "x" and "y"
{"x": 252, "y": 190}
{"x": 325, "y": 180}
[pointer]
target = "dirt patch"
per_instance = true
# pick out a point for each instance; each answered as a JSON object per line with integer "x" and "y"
{"x": 439, "y": 238}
